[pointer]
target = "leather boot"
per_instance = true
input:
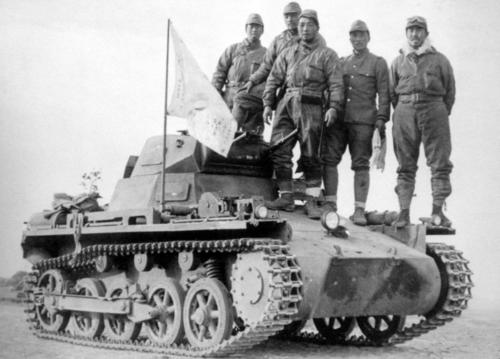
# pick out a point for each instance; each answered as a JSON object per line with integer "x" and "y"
{"x": 359, "y": 217}
{"x": 330, "y": 180}
{"x": 312, "y": 209}
{"x": 438, "y": 218}
{"x": 284, "y": 202}
{"x": 361, "y": 186}
{"x": 328, "y": 206}
{"x": 403, "y": 219}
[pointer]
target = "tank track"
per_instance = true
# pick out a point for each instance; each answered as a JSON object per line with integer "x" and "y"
{"x": 452, "y": 304}
{"x": 278, "y": 314}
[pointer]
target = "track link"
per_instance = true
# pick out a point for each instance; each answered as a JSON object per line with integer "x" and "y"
{"x": 283, "y": 303}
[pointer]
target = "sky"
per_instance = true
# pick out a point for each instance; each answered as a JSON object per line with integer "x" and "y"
{"x": 82, "y": 88}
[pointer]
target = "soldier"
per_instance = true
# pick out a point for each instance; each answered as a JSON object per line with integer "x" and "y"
{"x": 307, "y": 68}
{"x": 365, "y": 76}
{"x": 233, "y": 70}
{"x": 422, "y": 93}
{"x": 287, "y": 38}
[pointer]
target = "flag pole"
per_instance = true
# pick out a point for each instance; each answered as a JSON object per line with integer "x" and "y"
{"x": 164, "y": 147}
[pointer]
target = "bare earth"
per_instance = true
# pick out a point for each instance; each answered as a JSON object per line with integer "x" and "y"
{"x": 476, "y": 334}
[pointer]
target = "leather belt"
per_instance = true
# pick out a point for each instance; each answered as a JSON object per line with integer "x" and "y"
{"x": 304, "y": 90}
{"x": 419, "y": 97}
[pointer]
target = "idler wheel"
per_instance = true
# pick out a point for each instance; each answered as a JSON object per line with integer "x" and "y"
{"x": 118, "y": 326}
{"x": 208, "y": 318}
{"x": 52, "y": 281}
{"x": 380, "y": 328}
{"x": 335, "y": 329}
{"x": 88, "y": 324}
{"x": 167, "y": 298}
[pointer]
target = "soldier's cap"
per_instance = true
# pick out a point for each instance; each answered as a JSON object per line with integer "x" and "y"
{"x": 418, "y": 21}
{"x": 359, "y": 25}
{"x": 310, "y": 14}
{"x": 292, "y": 8}
{"x": 254, "y": 19}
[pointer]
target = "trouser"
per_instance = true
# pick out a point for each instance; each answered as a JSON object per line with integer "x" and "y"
{"x": 249, "y": 120}
{"x": 307, "y": 118}
{"x": 228, "y": 96}
{"x": 341, "y": 135}
{"x": 426, "y": 123}
{"x": 358, "y": 137}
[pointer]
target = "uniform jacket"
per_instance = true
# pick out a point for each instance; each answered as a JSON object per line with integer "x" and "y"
{"x": 365, "y": 76}
{"x": 237, "y": 63}
{"x": 279, "y": 43}
{"x": 311, "y": 67}
{"x": 424, "y": 71}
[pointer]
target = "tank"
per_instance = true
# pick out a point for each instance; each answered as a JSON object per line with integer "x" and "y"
{"x": 212, "y": 272}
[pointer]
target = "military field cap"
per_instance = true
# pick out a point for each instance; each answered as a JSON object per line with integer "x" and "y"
{"x": 359, "y": 25}
{"x": 254, "y": 19}
{"x": 293, "y": 8}
{"x": 418, "y": 21}
{"x": 310, "y": 14}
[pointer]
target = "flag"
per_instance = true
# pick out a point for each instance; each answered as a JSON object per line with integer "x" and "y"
{"x": 195, "y": 99}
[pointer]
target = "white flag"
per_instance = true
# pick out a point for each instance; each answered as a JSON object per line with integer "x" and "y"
{"x": 208, "y": 117}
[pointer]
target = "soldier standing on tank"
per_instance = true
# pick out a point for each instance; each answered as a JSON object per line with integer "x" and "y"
{"x": 423, "y": 94}
{"x": 233, "y": 70}
{"x": 307, "y": 68}
{"x": 365, "y": 76}
{"x": 287, "y": 38}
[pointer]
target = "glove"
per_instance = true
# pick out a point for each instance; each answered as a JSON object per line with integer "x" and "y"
{"x": 268, "y": 112}
{"x": 380, "y": 126}
{"x": 248, "y": 86}
{"x": 331, "y": 117}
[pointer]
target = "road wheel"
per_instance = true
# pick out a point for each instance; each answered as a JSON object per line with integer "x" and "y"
{"x": 335, "y": 329}
{"x": 88, "y": 324}
{"x": 167, "y": 298}
{"x": 52, "y": 281}
{"x": 118, "y": 326}
{"x": 208, "y": 318}
{"x": 380, "y": 328}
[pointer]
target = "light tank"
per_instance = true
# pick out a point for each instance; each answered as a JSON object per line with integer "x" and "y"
{"x": 211, "y": 271}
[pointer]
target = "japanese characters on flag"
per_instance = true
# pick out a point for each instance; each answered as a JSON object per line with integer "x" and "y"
{"x": 195, "y": 99}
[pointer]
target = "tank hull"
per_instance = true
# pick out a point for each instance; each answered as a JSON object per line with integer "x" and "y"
{"x": 368, "y": 273}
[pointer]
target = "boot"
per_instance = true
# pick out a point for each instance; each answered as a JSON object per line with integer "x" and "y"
{"x": 330, "y": 180}
{"x": 312, "y": 210}
{"x": 359, "y": 217}
{"x": 328, "y": 206}
{"x": 403, "y": 219}
{"x": 285, "y": 202}
{"x": 438, "y": 218}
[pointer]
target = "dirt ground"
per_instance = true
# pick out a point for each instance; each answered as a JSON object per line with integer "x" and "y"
{"x": 475, "y": 334}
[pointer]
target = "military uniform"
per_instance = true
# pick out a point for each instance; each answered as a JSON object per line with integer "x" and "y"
{"x": 307, "y": 69}
{"x": 365, "y": 76}
{"x": 286, "y": 39}
{"x": 423, "y": 94}
{"x": 233, "y": 70}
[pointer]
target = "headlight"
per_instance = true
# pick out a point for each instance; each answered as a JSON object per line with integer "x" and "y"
{"x": 260, "y": 211}
{"x": 330, "y": 220}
